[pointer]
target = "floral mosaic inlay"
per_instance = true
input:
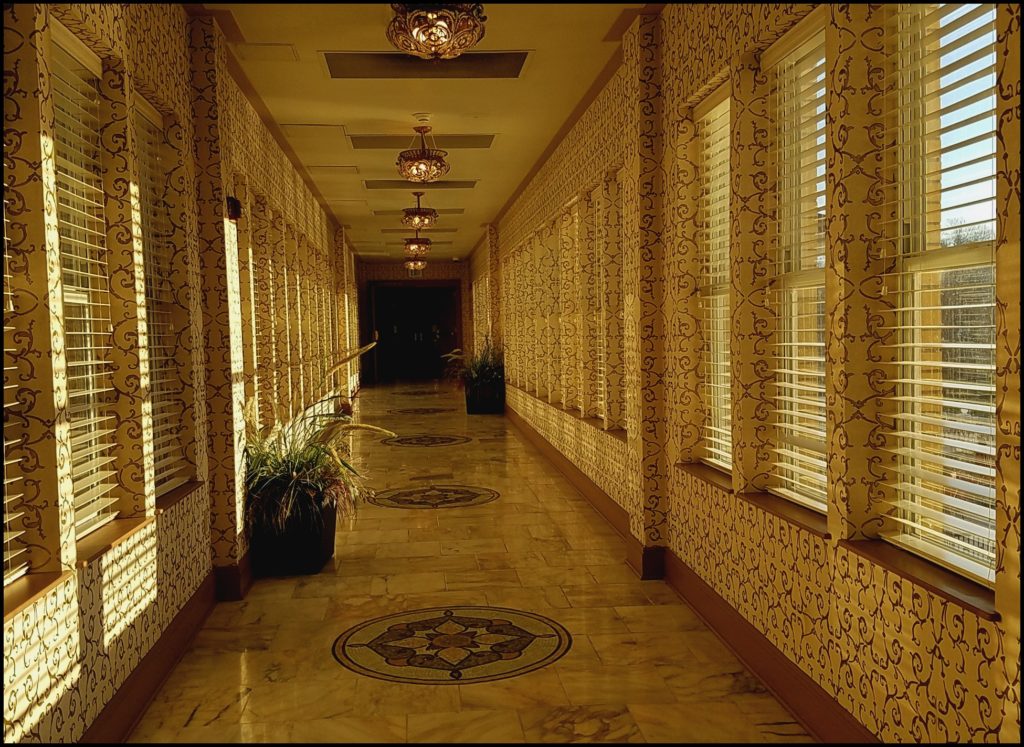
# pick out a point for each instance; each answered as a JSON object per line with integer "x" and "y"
{"x": 426, "y": 439}
{"x": 452, "y": 645}
{"x": 434, "y": 496}
{"x": 421, "y": 410}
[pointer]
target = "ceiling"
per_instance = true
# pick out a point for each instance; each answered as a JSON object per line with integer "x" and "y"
{"x": 280, "y": 49}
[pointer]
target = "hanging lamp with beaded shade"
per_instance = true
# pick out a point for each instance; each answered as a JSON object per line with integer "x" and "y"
{"x": 417, "y": 247}
{"x": 423, "y": 163}
{"x": 419, "y": 217}
{"x": 436, "y": 31}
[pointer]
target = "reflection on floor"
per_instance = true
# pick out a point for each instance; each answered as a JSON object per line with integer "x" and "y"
{"x": 641, "y": 666}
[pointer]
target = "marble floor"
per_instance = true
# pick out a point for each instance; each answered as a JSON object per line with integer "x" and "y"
{"x": 641, "y": 668}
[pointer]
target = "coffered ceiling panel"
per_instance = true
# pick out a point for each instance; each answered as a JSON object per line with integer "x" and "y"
{"x": 347, "y": 131}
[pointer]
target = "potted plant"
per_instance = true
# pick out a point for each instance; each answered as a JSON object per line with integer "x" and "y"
{"x": 298, "y": 478}
{"x": 483, "y": 376}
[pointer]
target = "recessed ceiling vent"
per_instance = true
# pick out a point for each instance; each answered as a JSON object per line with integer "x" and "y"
{"x": 335, "y": 169}
{"x": 398, "y": 142}
{"x": 398, "y": 65}
{"x": 422, "y": 230}
{"x": 403, "y": 184}
{"x": 441, "y": 211}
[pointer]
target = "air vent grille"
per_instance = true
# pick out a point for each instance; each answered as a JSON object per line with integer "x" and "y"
{"x": 422, "y": 230}
{"x": 404, "y": 185}
{"x": 399, "y": 142}
{"x": 399, "y": 65}
{"x": 441, "y": 211}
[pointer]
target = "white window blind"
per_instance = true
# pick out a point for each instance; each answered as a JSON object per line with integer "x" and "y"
{"x": 86, "y": 303}
{"x": 798, "y": 285}
{"x": 713, "y": 132}
{"x": 941, "y": 105}
{"x": 15, "y": 556}
{"x": 165, "y": 381}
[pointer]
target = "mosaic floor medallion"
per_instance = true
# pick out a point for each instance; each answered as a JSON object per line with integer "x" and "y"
{"x": 434, "y": 496}
{"x": 426, "y": 439}
{"x": 421, "y": 410}
{"x": 452, "y": 645}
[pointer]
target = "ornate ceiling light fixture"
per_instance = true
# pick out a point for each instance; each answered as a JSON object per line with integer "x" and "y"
{"x": 436, "y": 31}
{"x": 415, "y": 265}
{"x": 419, "y": 217}
{"x": 422, "y": 164}
{"x": 417, "y": 247}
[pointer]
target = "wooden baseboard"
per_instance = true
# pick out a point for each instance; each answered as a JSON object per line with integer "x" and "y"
{"x": 233, "y": 581}
{"x": 818, "y": 712}
{"x": 648, "y": 562}
{"x": 118, "y": 718}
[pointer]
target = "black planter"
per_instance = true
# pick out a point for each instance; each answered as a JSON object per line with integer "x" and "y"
{"x": 303, "y": 548}
{"x": 485, "y": 399}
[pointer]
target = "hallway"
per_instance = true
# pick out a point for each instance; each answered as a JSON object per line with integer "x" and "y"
{"x": 641, "y": 666}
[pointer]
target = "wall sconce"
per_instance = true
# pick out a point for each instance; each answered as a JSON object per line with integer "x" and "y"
{"x": 234, "y": 209}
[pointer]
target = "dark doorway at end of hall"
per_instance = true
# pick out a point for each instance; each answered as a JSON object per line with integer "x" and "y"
{"x": 416, "y": 322}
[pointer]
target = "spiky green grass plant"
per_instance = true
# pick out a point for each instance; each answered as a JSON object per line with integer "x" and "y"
{"x": 301, "y": 467}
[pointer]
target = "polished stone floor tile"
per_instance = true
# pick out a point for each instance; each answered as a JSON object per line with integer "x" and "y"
{"x": 706, "y": 721}
{"x": 474, "y": 726}
{"x": 380, "y": 729}
{"x": 643, "y": 649}
{"x": 648, "y": 618}
{"x": 599, "y": 683}
{"x": 606, "y": 595}
{"x": 539, "y": 688}
{"x": 641, "y": 665}
{"x": 580, "y": 724}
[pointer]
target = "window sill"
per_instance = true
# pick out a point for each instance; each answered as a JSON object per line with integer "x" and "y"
{"x": 177, "y": 495}
{"x": 701, "y": 471}
{"x": 800, "y": 516}
{"x": 619, "y": 434}
{"x": 961, "y": 591}
{"x": 93, "y": 546}
{"x": 21, "y": 593}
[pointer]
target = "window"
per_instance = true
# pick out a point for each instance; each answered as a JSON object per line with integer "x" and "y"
{"x": 712, "y": 120}
{"x": 15, "y": 557}
{"x": 166, "y": 388}
{"x": 941, "y": 104}
{"x": 86, "y": 304}
{"x": 798, "y": 287}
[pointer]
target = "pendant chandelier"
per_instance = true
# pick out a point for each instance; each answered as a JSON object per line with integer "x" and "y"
{"x": 436, "y": 31}
{"x": 417, "y": 247}
{"x": 422, "y": 164}
{"x": 419, "y": 217}
{"x": 415, "y": 264}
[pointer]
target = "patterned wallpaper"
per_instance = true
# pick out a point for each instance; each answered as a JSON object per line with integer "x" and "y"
{"x": 67, "y": 652}
{"x": 907, "y": 663}
{"x": 480, "y": 287}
